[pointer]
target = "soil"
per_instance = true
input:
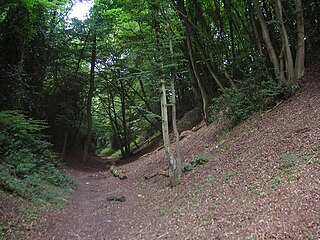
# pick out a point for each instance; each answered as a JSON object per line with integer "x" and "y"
{"x": 262, "y": 182}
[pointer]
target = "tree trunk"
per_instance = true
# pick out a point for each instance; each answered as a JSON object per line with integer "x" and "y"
{"x": 89, "y": 100}
{"x": 266, "y": 39}
{"x": 174, "y": 173}
{"x": 208, "y": 64}
{"x": 256, "y": 33}
{"x": 194, "y": 82}
{"x": 115, "y": 125}
{"x": 205, "y": 100}
{"x": 117, "y": 173}
{"x": 300, "y": 54}
{"x": 126, "y": 141}
{"x": 285, "y": 44}
{"x": 174, "y": 178}
{"x": 204, "y": 95}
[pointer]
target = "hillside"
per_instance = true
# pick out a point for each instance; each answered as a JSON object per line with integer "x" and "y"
{"x": 262, "y": 182}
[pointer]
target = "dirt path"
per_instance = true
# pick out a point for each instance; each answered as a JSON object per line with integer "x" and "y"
{"x": 88, "y": 214}
{"x": 263, "y": 182}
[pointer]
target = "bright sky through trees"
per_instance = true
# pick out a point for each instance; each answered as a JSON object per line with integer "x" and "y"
{"x": 81, "y": 9}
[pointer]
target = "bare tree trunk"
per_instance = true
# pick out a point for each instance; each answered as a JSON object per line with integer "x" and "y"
{"x": 174, "y": 178}
{"x": 165, "y": 134}
{"x": 285, "y": 44}
{"x": 174, "y": 173}
{"x": 194, "y": 83}
{"x": 255, "y": 31}
{"x": 208, "y": 64}
{"x": 126, "y": 141}
{"x": 266, "y": 39}
{"x": 300, "y": 54}
{"x": 116, "y": 128}
{"x": 89, "y": 100}
{"x": 205, "y": 100}
{"x": 204, "y": 95}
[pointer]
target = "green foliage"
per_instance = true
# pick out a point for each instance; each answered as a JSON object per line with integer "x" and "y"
{"x": 117, "y": 154}
{"x": 196, "y": 161}
{"x": 289, "y": 158}
{"x": 229, "y": 175}
{"x": 255, "y": 91}
{"x": 276, "y": 181}
{"x": 28, "y": 167}
{"x": 257, "y": 192}
{"x": 309, "y": 236}
{"x": 287, "y": 169}
{"x": 106, "y": 151}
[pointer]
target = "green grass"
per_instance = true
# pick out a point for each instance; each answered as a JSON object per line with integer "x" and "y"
{"x": 287, "y": 169}
{"x": 289, "y": 158}
{"x": 311, "y": 160}
{"x": 257, "y": 192}
{"x": 117, "y": 154}
{"x": 228, "y": 176}
{"x": 276, "y": 181}
{"x": 309, "y": 236}
{"x": 106, "y": 151}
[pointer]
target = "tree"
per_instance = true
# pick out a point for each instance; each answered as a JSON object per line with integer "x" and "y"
{"x": 89, "y": 98}
{"x": 175, "y": 167}
{"x": 284, "y": 67}
{"x": 174, "y": 162}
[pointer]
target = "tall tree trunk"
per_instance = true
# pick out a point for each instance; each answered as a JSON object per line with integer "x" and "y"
{"x": 256, "y": 33}
{"x": 204, "y": 95}
{"x": 194, "y": 82}
{"x": 285, "y": 44}
{"x": 300, "y": 53}
{"x": 89, "y": 99}
{"x": 266, "y": 39}
{"x": 174, "y": 173}
{"x": 113, "y": 120}
{"x": 116, "y": 128}
{"x": 126, "y": 141}
{"x": 208, "y": 64}
{"x": 198, "y": 41}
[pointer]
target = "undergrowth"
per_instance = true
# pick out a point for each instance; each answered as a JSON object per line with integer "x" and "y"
{"x": 255, "y": 90}
{"x": 28, "y": 167}
{"x": 117, "y": 153}
{"x": 196, "y": 161}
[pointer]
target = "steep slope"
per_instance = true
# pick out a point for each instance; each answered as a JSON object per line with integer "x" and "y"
{"x": 263, "y": 182}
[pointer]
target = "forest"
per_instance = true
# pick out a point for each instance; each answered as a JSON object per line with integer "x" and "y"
{"x": 120, "y": 83}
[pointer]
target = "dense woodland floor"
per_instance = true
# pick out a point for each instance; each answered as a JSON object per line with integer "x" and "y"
{"x": 263, "y": 182}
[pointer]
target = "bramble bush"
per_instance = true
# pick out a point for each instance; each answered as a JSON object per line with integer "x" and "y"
{"x": 28, "y": 167}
